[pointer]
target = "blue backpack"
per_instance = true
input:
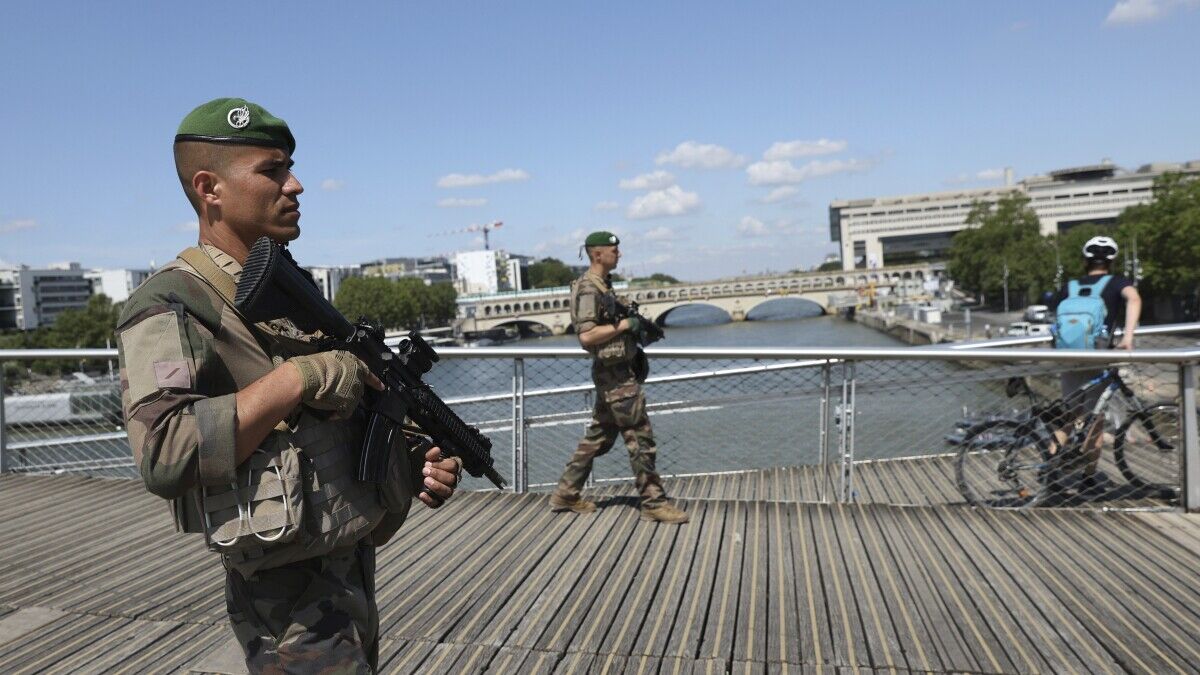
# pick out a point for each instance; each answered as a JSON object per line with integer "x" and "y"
{"x": 1079, "y": 320}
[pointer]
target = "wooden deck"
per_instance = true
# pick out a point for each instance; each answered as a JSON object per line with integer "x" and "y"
{"x": 93, "y": 579}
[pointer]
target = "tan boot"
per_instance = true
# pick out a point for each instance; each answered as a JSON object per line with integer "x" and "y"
{"x": 665, "y": 514}
{"x": 559, "y": 504}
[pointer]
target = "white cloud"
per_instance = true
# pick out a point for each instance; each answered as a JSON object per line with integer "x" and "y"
{"x": 752, "y": 227}
{"x": 693, "y": 155}
{"x": 461, "y": 202}
{"x": 662, "y": 233}
{"x": 656, "y": 180}
{"x": 18, "y": 224}
{"x": 672, "y": 201}
{"x": 333, "y": 184}
{"x": 1142, "y": 11}
{"x": 783, "y": 172}
{"x": 794, "y": 149}
{"x": 990, "y": 174}
{"x": 457, "y": 180}
{"x": 573, "y": 239}
{"x": 606, "y": 206}
{"x": 780, "y": 193}
{"x": 189, "y": 226}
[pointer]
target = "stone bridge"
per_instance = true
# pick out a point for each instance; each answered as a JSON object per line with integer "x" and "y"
{"x": 737, "y": 297}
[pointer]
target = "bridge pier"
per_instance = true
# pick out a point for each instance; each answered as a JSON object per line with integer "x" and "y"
{"x": 738, "y": 315}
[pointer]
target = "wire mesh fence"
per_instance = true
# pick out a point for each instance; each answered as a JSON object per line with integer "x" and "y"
{"x": 905, "y": 429}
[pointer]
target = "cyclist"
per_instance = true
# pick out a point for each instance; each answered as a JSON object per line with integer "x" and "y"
{"x": 1121, "y": 303}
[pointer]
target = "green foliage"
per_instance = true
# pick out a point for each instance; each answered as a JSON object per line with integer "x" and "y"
{"x": 404, "y": 303}
{"x": 1168, "y": 235}
{"x": 549, "y": 273}
{"x": 1000, "y": 236}
{"x": 655, "y": 279}
{"x": 90, "y": 326}
{"x": 831, "y": 266}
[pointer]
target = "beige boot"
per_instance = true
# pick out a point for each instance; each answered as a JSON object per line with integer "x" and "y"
{"x": 559, "y": 504}
{"x": 665, "y": 514}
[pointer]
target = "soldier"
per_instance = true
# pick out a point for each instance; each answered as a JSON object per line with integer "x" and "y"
{"x": 620, "y": 404}
{"x": 248, "y": 429}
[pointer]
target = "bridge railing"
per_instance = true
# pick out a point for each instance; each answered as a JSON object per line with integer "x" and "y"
{"x": 820, "y": 424}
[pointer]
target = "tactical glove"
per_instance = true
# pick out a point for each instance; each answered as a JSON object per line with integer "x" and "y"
{"x": 635, "y": 325}
{"x": 331, "y": 380}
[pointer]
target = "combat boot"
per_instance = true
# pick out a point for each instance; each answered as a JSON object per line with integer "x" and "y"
{"x": 665, "y": 514}
{"x": 558, "y": 504}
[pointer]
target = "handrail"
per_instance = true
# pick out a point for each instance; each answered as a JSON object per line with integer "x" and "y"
{"x": 991, "y": 350}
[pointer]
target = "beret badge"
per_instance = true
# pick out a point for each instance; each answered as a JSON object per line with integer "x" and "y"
{"x": 239, "y": 118}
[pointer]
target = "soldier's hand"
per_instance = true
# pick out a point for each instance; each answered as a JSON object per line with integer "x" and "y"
{"x": 333, "y": 380}
{"x": 440, "y": 477}
{"x": 633, "y": 325}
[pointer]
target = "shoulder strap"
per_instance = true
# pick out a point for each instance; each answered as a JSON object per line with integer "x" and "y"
{"x": 216, "y": 277}
{"x": 1100, "y": 284}
{"x": 1073, "y": 288}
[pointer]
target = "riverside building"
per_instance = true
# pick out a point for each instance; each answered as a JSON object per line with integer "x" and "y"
{"x": 35, "y": 297}
{"x": 879, "y": 231}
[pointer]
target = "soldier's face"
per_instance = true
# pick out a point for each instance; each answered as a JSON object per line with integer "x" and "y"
{"x": 608, "y": 256}
{"x": 260, "y": 195}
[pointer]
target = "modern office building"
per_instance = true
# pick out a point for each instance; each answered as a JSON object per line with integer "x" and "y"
{"x": 879, "y": 231}
{"x": 116, "y": 284}
{"x": 329, "y": 278}
{"x": 489, "y": 271}
{"x": 30, "y": 298}
{"x": 431, "y": 270}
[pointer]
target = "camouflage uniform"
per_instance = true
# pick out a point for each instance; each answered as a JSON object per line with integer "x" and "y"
{"x": 620, "y": 403}
{"x": 184, "y": 354}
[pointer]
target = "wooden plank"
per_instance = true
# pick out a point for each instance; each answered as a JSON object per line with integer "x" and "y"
{"x": 1094, "y": 611}
{"x": 753, "y": 626}
{"x": 1057, "y": 640}
{"x": 848, "y": 641}
{"x": 404, "y": 657}
{"x": 688, "y": 630}
{"x": 783, "y": 630}
{"x": 645, "y": 584}
{"x": 721, "y": 622}
{"x": 814, "y": 643}
{"x": 666, "y": 607}
{"x": 882, "y": 642}
{"x": 107, "y": 655}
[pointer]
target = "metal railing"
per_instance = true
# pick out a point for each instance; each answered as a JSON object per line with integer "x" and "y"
{"x": 850, "y": 424}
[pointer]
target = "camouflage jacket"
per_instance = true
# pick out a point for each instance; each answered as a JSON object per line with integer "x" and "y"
{"x": 589, "y": 309}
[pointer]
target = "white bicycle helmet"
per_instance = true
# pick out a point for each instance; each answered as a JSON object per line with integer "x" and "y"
{"x": 1100, "y": 248}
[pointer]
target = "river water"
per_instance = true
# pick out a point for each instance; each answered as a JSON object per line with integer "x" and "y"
{"x": 731, "y": 422}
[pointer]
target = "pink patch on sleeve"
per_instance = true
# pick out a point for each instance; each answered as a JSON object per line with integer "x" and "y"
{"x": 172, "y": 375}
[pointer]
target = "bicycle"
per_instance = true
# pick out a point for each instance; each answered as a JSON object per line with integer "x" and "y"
{"x": 1017, "y": 462}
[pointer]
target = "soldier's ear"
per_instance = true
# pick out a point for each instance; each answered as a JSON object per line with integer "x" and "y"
{"x": 208, "y": 187}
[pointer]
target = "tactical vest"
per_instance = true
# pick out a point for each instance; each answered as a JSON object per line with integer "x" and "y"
{"x": 297, "y": 496}
{"x": 617, "y": 350}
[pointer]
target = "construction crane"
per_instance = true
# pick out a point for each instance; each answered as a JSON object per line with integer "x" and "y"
{"x": 485, "y": 228}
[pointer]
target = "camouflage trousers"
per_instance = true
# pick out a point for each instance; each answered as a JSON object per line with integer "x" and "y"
{"x": 619, "y": 411}
{"x": 313, "y": 616}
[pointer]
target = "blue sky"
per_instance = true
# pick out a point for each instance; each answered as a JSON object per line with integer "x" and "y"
{"x": 731, "y": 125}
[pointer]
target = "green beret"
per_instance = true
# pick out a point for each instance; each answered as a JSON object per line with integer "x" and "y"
{"x": 601, "y": 238}
{"x": 238, "y": 122}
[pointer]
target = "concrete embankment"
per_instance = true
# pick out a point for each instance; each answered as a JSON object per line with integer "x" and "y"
{"x": 910, "y": 330}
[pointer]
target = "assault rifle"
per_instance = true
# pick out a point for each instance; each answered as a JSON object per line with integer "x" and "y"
{"x": 272, "y": 286}
{"x": 648, "y": 332}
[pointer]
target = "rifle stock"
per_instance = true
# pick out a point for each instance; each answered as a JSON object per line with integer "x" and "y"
{"x": 272, "y": 286}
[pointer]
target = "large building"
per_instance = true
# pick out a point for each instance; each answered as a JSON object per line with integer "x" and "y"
{"x": 879, "y": 231}
{"x": 488, "y": 271}
{"x": 30, "y": 298}
{"x": 116, "y": 284}
{"x": 329, "y": 278}
{"x": 431, "y": 270}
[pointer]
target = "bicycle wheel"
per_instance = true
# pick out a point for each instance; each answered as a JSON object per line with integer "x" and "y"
{"x": 1145, "y": 450}
{"x": 1001, "y": 464}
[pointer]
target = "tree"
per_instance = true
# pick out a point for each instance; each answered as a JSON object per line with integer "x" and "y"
{"x": 1002, "y": 239}
{"x": 403, "y": 303}
{"x": 91, "y": 326}
{"x": 375, "y": 298}
{"x": 549, "y": 273}
{"x": 1168, "y": 235}
{"x": 656, "y": 278}
{"x": 831, "y": 266}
